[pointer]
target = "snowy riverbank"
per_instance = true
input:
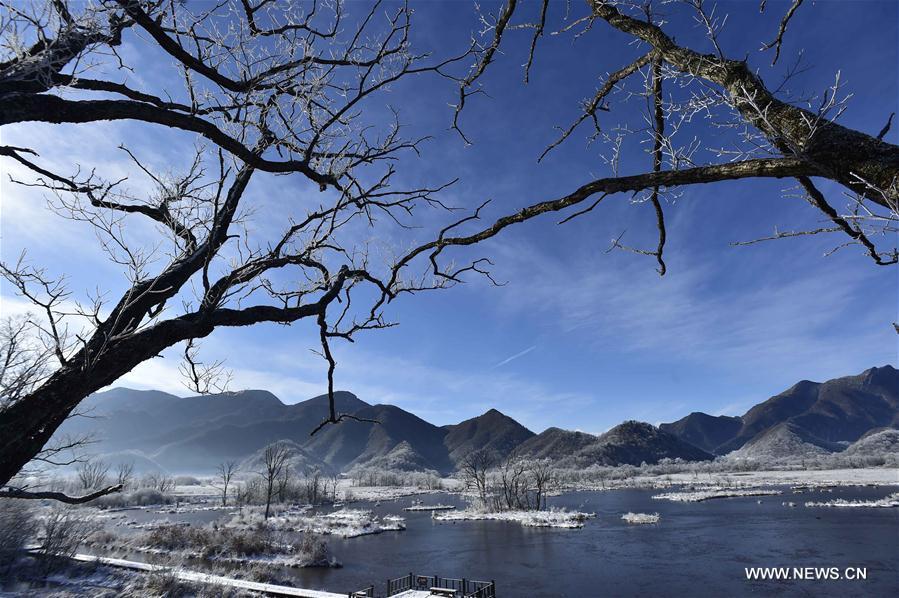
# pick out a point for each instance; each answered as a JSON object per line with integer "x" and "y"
{"x": 887, "y": 502}
{"x": 701, "y": 495}
{"x": 550, "y": 518}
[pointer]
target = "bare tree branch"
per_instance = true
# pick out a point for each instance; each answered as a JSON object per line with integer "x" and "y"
{"x": 58, "y": 496}
{"x": 782, "y": 30}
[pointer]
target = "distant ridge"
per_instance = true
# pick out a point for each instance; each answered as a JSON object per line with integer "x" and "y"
{"x": 809, "y": 415}
{"x": 157, "y": 430}
{"x": 493, "y": 431}
{"x": 634, "y": 443}
{"x": 554, "y": 444}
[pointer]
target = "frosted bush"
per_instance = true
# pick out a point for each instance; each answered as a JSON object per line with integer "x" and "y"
{"x": 641, "y": 518}
{"x": 887, "y": 502}
{"x": 701, "y": 495}
{"x": 557, "y": 518}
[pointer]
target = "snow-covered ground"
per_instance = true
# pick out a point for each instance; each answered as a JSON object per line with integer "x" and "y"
{"x": 205, "y": 578}
{"x": 721, "y": 492}
{"x": 551, "y": 518}
{"x": 346, "y": 523}
{"x": 880, "y": 476}
{"x": 347, "y": 492}
{"x": 889, "y": 501}
{"x": 429, "y": 508}
{"x": 642, "y": 518}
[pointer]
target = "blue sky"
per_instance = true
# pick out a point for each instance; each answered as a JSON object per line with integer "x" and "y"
{"x": 577, "y": 338}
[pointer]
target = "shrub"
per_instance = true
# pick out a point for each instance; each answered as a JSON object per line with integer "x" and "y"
{"x": 139, "y": 498}
{"x": 314, "y": 549}
{"x": 211, "y": 541}
{"x": 62, "y": 531}
{"x": 178, "y": 537}
{"x": 17, "y": 526}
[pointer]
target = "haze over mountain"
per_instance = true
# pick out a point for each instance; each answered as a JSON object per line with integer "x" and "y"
{"x": 194, "y": 434}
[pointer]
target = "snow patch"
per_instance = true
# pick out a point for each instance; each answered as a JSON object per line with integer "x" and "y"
{"x": 889, "y": 501}
{"x": 641, "y": 518}
{"x": 701, "y": 495}
{"x": 551, "y": 518}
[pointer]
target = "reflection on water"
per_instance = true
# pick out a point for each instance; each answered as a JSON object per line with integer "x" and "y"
{"x": 697, "y": 549}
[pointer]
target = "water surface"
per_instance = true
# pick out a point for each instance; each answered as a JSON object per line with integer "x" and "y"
{"x": 698, "y": 549}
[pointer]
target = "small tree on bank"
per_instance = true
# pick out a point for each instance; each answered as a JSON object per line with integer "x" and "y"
{"x": 226, "y": 471}
{"x": 92, "y": 474}
{"x": 274, "y": 462}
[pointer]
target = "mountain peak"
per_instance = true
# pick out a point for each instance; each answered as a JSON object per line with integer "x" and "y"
{"x": 247, "y": 394}
{"x": 493, "y": 431}
{"x": 882, "y": 375}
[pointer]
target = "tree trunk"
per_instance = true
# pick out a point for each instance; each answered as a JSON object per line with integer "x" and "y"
{"x": 27, "y": 425}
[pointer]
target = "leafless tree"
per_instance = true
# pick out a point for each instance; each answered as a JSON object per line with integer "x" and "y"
{"x": 270, "y": 89}
{"x": 510, "y": 486}
{"x": 515, "y": 483}
{"x": 246, "y": 492}
{"x": 158, "y": 481}
{"x": 24, "y": 360}
{"x": 226, "y": 471}
{"x": 125, "y": 474}
{"x": 473, "y": 469}
{"x": 274, "y": 461}
{"x": 313, "y": 485}
{"x": 543, "y": 480}
{"x": 283, "y": 484}
{"x": 331, "y": 484}
{"x": 93, "y": 474}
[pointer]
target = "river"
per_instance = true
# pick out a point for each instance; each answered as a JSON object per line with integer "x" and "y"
{"x": 698, "y": 549}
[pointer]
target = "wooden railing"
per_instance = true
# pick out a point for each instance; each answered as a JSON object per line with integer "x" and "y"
{"x": 464, "y": 588}
{"x": 368, "y": 592}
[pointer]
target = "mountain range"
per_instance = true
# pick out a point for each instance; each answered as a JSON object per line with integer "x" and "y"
{"x": 154, "y": 429}
{"x": 828, "y": 415}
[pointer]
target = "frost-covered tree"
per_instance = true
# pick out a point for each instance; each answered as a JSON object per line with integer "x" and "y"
{"x": 275, "y": 461}
{"x": 268, "y": 89}
{"x": 224, "y": 476}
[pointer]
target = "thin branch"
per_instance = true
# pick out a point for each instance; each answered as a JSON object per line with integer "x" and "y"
{"x": 819, "y": 201}
{"x": 787, "y": 234}
{"x": 498, "y": 29}
{"x": 781, "y": 30}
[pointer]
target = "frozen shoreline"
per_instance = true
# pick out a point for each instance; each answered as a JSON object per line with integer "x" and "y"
{"x": 880, "y": 476}
{"x": 346, "y": 523}
{"x": 552, "y": 518}
{"x": 886, "y": 502}
{"x": 429, "y": 508}
{"x": 703, "y": 495}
